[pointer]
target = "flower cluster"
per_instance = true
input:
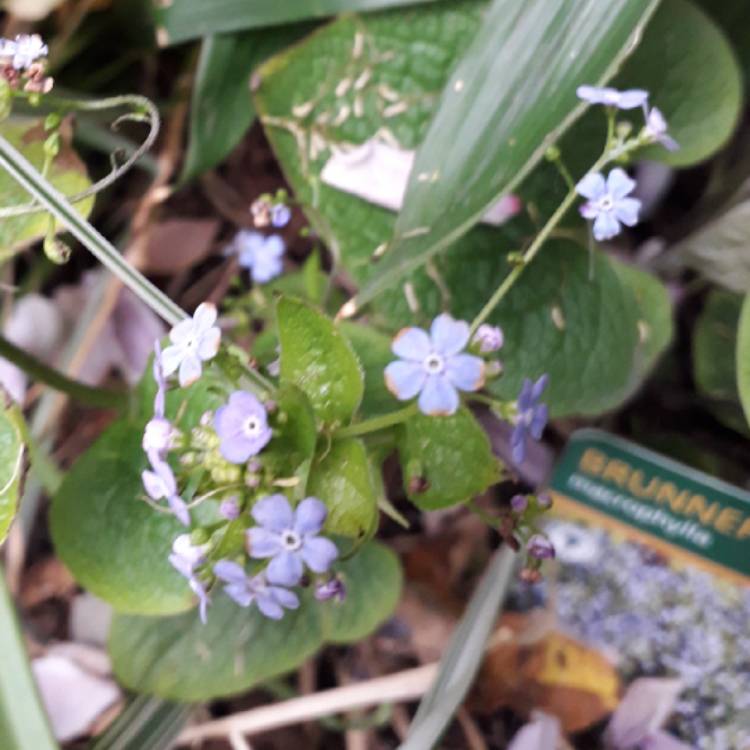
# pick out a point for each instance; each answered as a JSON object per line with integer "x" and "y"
{"x": 660, "y": 621}
{"x": 261, "y": 256}
{"x": 23, "y": 59}
{"x": 608, "y": 202}
{"x": 220, "y": 459}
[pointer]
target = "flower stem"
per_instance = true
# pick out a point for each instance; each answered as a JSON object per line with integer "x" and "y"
{"x": 55, "y": 202}
{"x": 86, "y": 394}
{"x": 532, "y": 250}
{"x": 377, "y": 423}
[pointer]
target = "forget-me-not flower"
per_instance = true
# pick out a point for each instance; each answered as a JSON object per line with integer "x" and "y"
{"x": 630, "y": 99}
{"x": 531, "y": 418}
{"x": 160, "y": 433}
{"x": 280, "y": 215}
{"x": 656, "y": 129}
{"x": 242, "y": 427}
{"x": 25, "y": 50}
{"x": 290, "y": 538}
{"x": 433, "y": 366}
{"x": 607, "y": 202}
{"x": 160, "y": 484}
{"x": 489, "y": 338}
{"x": 194, "y": 341}
{"x": 262, "y": 256}
{"x": 185, "y": 557}
{"x": 270, "y": 600}
{"x": 540, "y": 547}
{"x": 333, "y": 588}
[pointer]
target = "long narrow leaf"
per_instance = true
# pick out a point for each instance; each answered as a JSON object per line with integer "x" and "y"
{"x": 23, "y": 722}
{"x": 463, "y": 657}
{"x": 511, "y": 97}
{"x": 147, "y": 723}
{"x": 183, "y": 20}
{"x": 57, "y": 204}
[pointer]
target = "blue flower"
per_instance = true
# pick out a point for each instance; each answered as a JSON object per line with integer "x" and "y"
{"x": 531, "y": 417}
{"x": 540, "y": 547}
{"x": 433, "y": 366}
{"x": 333, "y": 588}
{"x": 185, "y": 557}
{"x": 25, "y": 50}
{"x": 280, "y": 215}
{"x": 160, "y": 484}
{"x": 270, "y": 600}
{"x": 607, "y": 203}
{"x": 290, "y": 538}
{"x": 242, "y": 427}
{"x": 261, "y": 255}
{"x": 656, "y": 129}
{"x": 630, "y": 99}
{"x": 193, "y": 341}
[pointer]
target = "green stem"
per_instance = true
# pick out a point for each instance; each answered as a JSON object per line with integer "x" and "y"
{"x": 55, "y": 202}
{"x": 86, "y": 394}
{"x": 377, "y": 423}
{"x": 532, "y": 250}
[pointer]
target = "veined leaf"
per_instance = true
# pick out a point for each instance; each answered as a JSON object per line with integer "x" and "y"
{"x": 189, "y": 19}
{"x": 511, "y": 97}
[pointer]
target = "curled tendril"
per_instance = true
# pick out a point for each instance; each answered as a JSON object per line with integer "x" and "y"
{"x": 144, "y": 112}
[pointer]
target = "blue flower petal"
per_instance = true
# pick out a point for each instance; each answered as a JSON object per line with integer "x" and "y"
{"x": 268, "y": 605}
{"x": 405, "y": 379}
{"x": 626, "y": 211}
{"x": 619, "y": 184}
{"x": 525, "y": 397}
{"x": 274, "y": 513}
{"x": 318, "y": 554}
{"x": 412, "y": 344}
{"x": 438, "y": 397}
{"x": 240, "y": 593}
{"x": 263, "y": 543}
{"x": 449, "y": 336}
{"x": 179, "y": 509}
{"x": 518, "y": 448}
{"x": 592, "y": 186}
{"x": 632, "y": 98}
{"x": 309, "y": 516}
{"x": 287, "y": 599}
{"x": 538, "y": 387}
{"x": 606, "y": 226}
{"x": 538, "y": 422}
{"x": 285, "y": 569}
{"x": 465, "y": 371}
{"x": 230, "y": 572}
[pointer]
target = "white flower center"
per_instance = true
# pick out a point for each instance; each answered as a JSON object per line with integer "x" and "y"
{"x": 291, "y": 540}
{"x": 606, "y": 203}
{"x": 252, "y": 427}
{"x": 434, "y": 364}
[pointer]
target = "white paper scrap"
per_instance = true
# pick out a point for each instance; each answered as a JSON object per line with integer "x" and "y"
{"x": 379, "y": 173}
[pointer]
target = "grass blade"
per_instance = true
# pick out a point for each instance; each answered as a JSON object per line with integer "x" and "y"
{"x": 23, "y": 722}
{"x": 463, "y": 657}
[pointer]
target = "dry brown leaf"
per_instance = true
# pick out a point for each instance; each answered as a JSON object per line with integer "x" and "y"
{"x": 178, "y": 244}
{"x": 46, "y": 579}
{"x": 555, "y": 674}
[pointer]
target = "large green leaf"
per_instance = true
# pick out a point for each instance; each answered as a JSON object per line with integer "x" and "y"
{"x": 67, "y": 174}
{"x": 743, "y": 357}
{"x": 343, "y": 479}
{"x": 734, "y": 18}
{"x": 221, "y": 110}
{"x": 688, "y": 66}
{"x": 12, "y": 431}
{"x": 114, "y": 543}
{"x": 188, "y": 19}
{"x": 512, "y": 95}
{"x": 318, "y": 359}
{"x": 305, "y": 78}
{"x": 446, "y": 460}
{"x": 180, "y": 658}
{"x": 717, "y": 368}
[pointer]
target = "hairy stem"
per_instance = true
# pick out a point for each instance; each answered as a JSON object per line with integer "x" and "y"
{"x": 86, "y": 394}
{"x": 377, "y": 423}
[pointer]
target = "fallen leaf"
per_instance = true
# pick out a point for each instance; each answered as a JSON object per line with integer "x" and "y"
{"x": 555, "y": 674}
{"x": 179, "y": 244}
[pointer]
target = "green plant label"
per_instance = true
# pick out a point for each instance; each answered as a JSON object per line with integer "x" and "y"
{"x": 683, "y": 513}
